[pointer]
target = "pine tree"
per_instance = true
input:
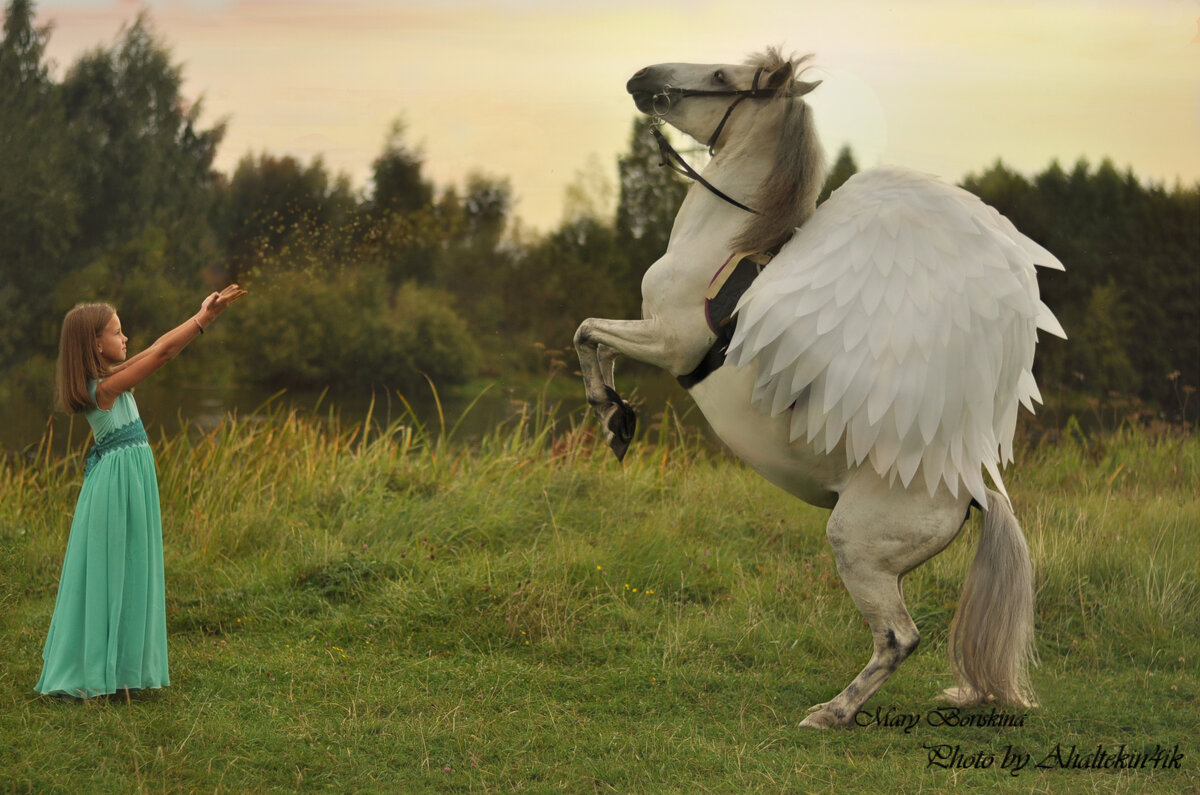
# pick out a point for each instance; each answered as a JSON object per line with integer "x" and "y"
{"x": 38, "y": 201}
{"x": 843, "y": 169}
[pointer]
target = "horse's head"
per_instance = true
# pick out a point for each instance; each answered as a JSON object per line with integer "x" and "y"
{"x": 719, "y": 104}
{"x": 699, "y": 99}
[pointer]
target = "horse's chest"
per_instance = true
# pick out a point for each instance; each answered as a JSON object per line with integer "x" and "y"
{"x": 668, "y": 288}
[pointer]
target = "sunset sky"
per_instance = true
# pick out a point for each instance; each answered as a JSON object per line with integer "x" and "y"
{"x": 533, "y": 90}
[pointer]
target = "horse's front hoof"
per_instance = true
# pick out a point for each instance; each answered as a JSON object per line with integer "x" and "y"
{"x": 621, "y": 424}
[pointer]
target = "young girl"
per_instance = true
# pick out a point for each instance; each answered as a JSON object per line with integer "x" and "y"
{"x": 109, "y": 630}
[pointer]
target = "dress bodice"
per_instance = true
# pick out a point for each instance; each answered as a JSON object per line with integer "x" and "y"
{"x": 103, "y": 423}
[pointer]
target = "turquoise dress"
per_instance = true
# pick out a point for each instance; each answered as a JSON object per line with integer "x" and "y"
{"x": 109, "y": 630}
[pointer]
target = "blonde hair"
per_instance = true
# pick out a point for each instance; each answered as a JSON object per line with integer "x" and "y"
{"x": 79, "y": 360}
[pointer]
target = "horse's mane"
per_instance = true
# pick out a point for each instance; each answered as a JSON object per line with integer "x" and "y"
{"x": 788, "y": 196}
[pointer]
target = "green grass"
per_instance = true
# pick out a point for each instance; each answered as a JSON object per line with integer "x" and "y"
{"x": 393, "y": 611}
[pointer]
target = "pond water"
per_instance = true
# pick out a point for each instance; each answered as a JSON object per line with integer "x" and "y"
{"x": 165, "y": 406}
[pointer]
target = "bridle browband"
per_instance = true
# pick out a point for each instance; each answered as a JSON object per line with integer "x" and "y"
{"x": 673, "y": 159}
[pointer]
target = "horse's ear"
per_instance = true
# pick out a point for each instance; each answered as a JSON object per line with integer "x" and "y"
{"x": 803, "y": 88}
{"x": 781, "y": 76}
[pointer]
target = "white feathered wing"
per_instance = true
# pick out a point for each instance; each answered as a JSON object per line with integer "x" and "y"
{"x": 901, "y": 319}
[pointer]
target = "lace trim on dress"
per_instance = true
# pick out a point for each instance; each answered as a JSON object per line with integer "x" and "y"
{"x": 129, "y": 435}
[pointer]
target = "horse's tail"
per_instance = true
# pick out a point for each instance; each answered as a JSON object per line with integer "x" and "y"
{"x": 991, "y": 639}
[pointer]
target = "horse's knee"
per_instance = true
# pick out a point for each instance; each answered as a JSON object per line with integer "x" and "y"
{"x": 583, "y": 334}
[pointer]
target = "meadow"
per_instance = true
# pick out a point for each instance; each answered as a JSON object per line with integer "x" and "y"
{"x": 356, "y": 608}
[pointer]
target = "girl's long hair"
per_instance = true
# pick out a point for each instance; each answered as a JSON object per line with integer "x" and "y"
{"x": 79, "y": 360}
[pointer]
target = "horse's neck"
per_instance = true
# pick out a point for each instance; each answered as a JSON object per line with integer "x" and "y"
{"x": 704, "y": 228}
{"x": 701, "y": 238}
{"x": 708, "y": 219}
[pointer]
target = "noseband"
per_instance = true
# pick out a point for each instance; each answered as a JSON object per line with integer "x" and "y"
{"x": 671, "y": 158}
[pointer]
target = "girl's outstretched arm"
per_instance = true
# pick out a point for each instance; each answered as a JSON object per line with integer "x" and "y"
{"x": 137, "y": 368}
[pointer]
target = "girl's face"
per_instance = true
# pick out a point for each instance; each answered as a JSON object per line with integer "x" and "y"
{"x": 111, "y": 342}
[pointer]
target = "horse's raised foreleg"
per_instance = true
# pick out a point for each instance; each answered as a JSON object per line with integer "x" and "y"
{"x": 598, "y": 342}
{"x": 878, "y": 534}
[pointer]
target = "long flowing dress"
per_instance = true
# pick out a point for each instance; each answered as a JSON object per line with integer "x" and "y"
{"x": 109, "y": 630}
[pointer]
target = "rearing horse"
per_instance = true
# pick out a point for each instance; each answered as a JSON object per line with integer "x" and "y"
{"x": 873, "y": 367}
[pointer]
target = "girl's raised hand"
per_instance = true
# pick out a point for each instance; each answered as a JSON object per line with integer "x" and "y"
{"x": 217, "y": 303}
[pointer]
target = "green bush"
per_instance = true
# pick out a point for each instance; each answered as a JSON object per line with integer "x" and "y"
{"x": 432, "y": 337}
{"x": 304, "y": 330}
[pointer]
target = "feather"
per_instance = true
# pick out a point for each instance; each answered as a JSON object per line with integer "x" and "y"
{"x": 878, "y": 336}
{"x": 929, "y": 414}
{"x": 1027, "y": 390}
{"x": 886, "y": 449}
{"x": 909, "y": 396}
{"x": 1046, "y": 321}
{"x": 909, "y": 458}
{"x": 933, "y": 461}
{"x": 839, "y": 375}
{"x": 919, "y": 292}
{"x": 903, "y": 329}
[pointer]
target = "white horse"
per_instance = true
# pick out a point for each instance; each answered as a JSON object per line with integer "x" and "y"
{"x": 874, "y": 367}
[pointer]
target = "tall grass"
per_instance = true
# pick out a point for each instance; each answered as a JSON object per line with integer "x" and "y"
{"x": 386, "y": 607}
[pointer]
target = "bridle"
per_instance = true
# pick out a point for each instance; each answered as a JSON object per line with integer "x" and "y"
{"x": 673, "y": 159}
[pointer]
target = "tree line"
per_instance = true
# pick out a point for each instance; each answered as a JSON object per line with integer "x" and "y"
{"x": 110, "y": 193}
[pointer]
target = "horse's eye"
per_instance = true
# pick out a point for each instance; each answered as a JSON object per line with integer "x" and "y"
{"x": 719, "y": 77}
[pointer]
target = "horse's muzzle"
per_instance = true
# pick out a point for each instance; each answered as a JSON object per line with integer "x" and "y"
{"x": 644, "y": 100}
{"x": 644, "y": 86}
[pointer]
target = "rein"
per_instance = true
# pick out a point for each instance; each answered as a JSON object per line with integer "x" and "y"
{"x": 674, "y": 160}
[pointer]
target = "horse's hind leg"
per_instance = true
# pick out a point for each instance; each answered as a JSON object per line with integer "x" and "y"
{"x": 878, "y": 534}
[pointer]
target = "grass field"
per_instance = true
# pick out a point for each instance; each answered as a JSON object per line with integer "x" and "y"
{"x": 401, "y": 612}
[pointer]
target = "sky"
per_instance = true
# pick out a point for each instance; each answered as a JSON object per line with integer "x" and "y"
{"x": 533, "y": 90}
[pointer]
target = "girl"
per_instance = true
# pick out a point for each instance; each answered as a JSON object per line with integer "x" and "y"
{"x": 109, "y": 630}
